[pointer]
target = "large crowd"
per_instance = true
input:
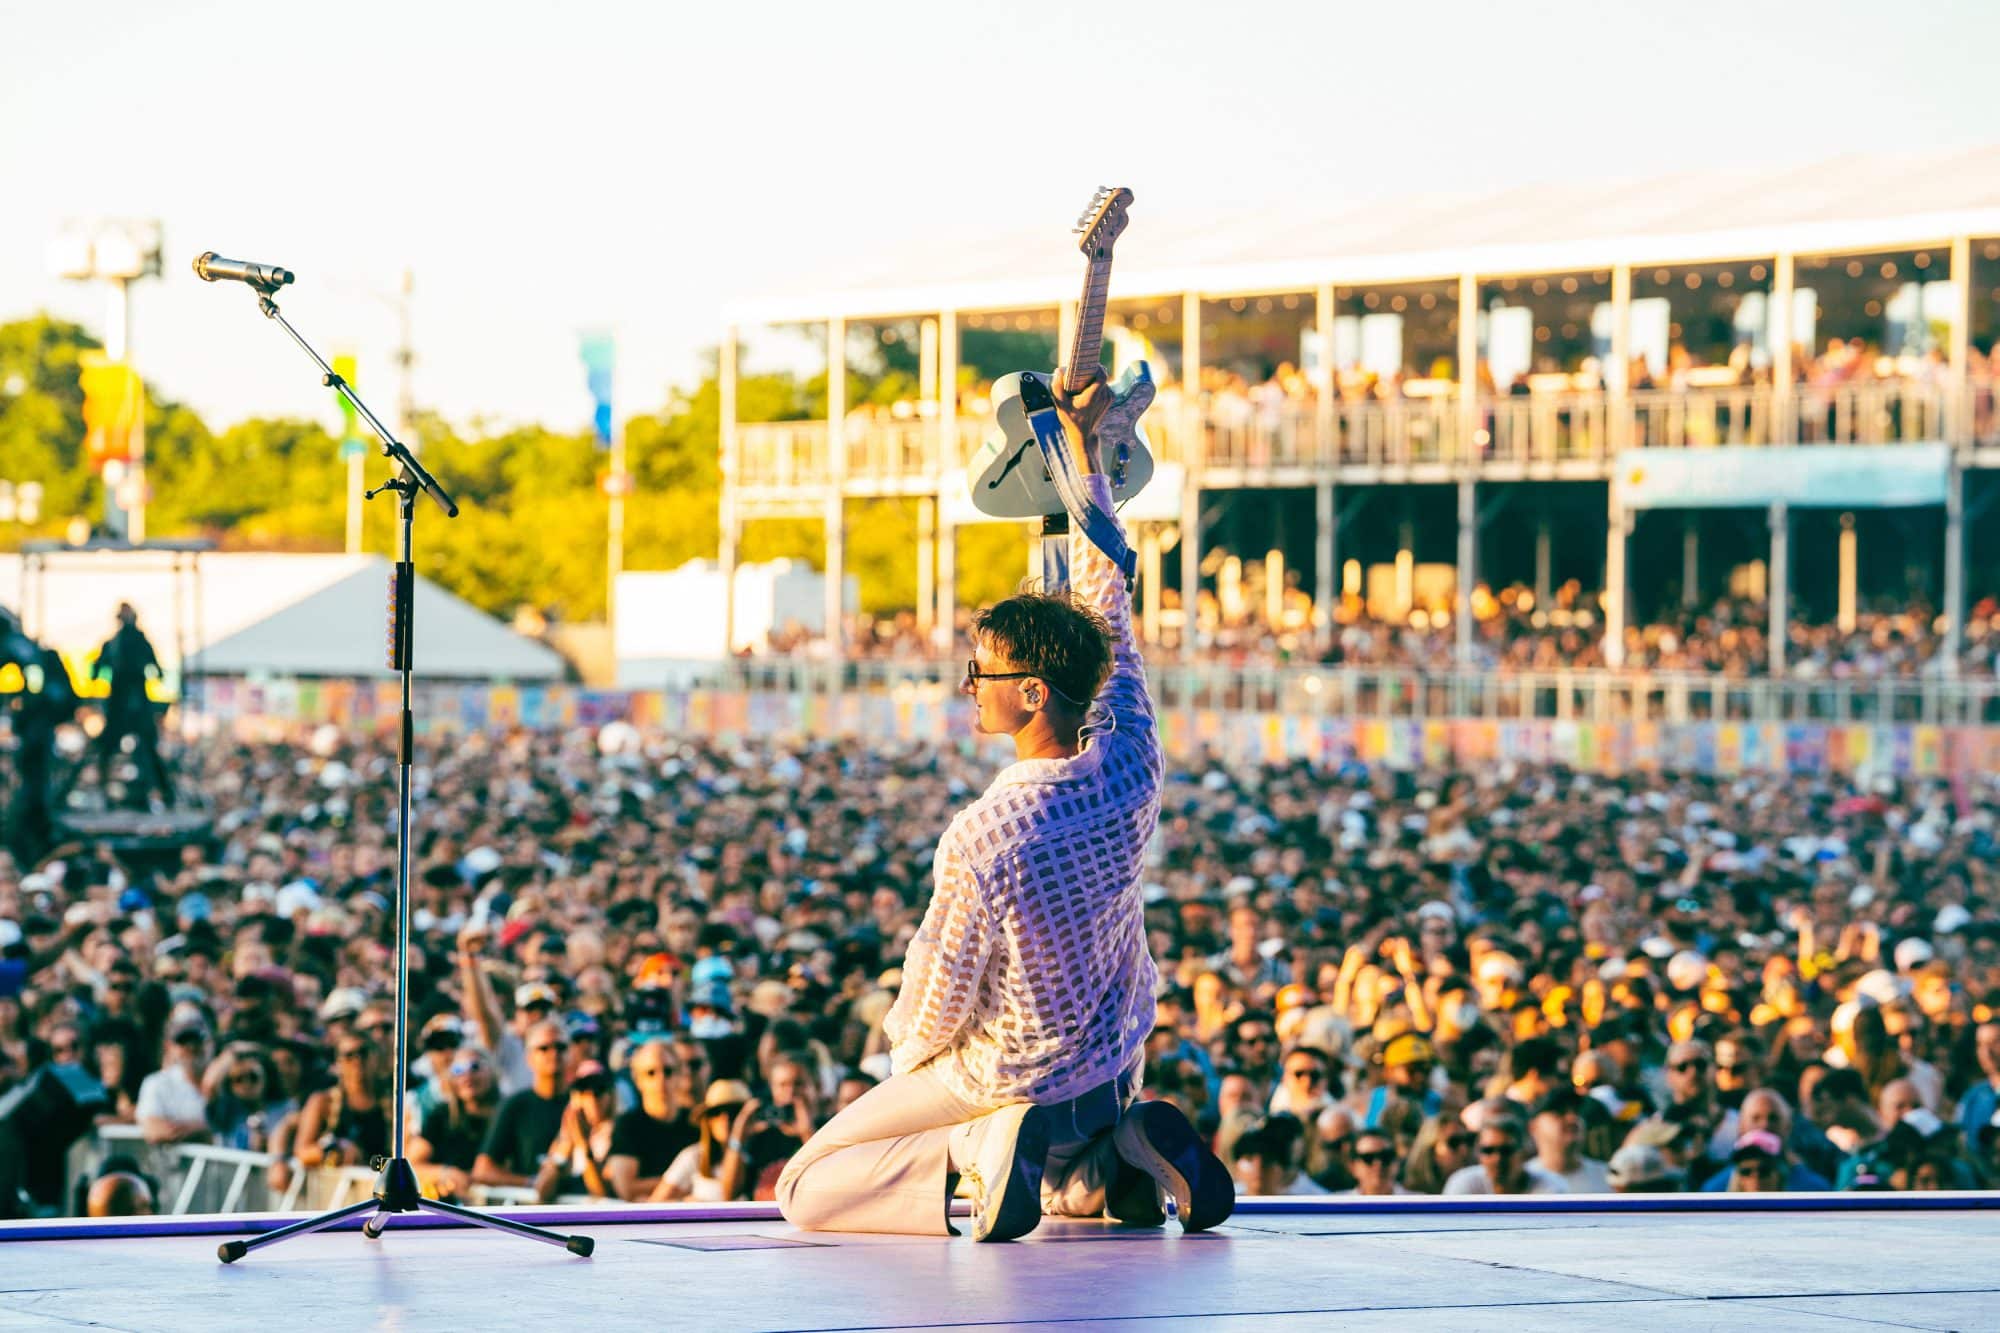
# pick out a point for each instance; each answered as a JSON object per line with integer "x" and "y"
{"x": 646, "y": 968}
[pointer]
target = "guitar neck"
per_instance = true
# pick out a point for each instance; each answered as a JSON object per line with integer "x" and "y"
{"x": 1087, "y": 345}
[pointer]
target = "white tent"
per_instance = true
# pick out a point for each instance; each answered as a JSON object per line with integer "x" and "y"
{"x": 265, "y": 614}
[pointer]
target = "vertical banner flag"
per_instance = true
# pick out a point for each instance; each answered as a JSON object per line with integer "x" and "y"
{"x": 350, "y": 437}
{"x": 600, "y": 358}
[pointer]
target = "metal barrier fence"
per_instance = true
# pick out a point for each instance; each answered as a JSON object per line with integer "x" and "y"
{"x": 202, "y": 1178}
{"x": 1362, "y": 693}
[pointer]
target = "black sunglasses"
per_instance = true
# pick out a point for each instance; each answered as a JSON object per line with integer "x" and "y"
{"x": 1689, "y": 1066}
{"x": 1498, "y": 1149}
{"x": 1381, "y": 1157}
{"x": 973, "y": 675}
{"x": 1458, "y": 1141}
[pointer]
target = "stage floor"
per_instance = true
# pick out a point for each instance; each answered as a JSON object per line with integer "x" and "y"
{"x": 1442, "y": 1266}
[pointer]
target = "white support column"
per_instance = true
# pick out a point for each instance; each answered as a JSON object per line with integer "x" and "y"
{"x": 1326, "y": 519}
{"x": 1149, "y": 584}
{"x": 1545, "y": 559}
{"x": 1190, "y": 545}
{"x": 1784, "y": 417}
{"x": 1781, "y": 584}
{"x": 944, "y": 622}
{"x": 1958, "y": 412}
{"x": 1469, "y": 447}
{"x": 836, "y": 486}
{"x": 731, "y": 524}
{"x": 947, "y": 587}
{"x": 1690, "y": 561}
{"x": 1192, "y": 455}
{"x": 1468, "y": 567}
{"x": 927, "y": 509}
{"x": 1618, "y": 375}
{"x": 1322, "y": 380}
{"x": 1619, "y": 528}
{"x": 947, "y": 391}
{"x": 1954, "y": 566}
{"x": 1190, "y": 425}
{"x": 1847, "y": 578}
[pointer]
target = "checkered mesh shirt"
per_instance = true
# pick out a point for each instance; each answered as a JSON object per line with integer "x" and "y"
{"x": 1030, "y": 979}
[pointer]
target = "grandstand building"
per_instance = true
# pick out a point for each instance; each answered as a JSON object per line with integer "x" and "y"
{"x": 1657, "y": 392}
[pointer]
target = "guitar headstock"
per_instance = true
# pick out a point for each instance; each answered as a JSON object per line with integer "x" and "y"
{"x": 1102, "y": 221}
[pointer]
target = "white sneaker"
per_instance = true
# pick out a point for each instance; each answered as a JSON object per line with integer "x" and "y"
{"x": 1003, "y": 1172}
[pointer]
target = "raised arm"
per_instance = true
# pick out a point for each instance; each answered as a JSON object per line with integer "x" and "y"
{"x": 942, "y": 970}
{"x": 1094, "y": 579}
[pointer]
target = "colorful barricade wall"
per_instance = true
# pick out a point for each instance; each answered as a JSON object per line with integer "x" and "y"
{"x": 930, "y": 716}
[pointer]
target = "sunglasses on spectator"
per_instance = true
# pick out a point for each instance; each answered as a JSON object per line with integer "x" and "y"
{"x": 1254, "y": 1039}
{"x": 1379, "y": 1157}
{"x": 120, "y": 985}
{"x": 1340, "y": 1144}
{"x": 372, "y": 1029}
{"x": 1458, "y": 1142}
{"x": 1497, "y": 1149}
{"x": 1311, "y": 1075}
{"x": 1689, "y": 1066}
{"x": 464, "y": 1067}
{"x": 247, "y": 1076}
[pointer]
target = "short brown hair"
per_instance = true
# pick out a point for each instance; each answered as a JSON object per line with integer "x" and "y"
{"x": 1054, "y": 636}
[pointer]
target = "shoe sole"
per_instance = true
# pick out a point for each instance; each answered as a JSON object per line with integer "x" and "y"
{"x": 1015, "y": 1207}
{"x": 1157, "y": 1139}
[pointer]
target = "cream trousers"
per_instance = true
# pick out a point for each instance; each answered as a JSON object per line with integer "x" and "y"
{"x": 881, "y": 1165}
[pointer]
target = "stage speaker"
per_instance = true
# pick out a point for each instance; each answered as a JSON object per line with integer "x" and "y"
{"x": 39, "y": 1120}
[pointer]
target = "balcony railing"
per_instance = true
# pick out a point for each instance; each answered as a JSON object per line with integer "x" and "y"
{"x": 1888, "y": 412}
{"x": 1699, "y": 418}
{"x": 1530, "y": 430}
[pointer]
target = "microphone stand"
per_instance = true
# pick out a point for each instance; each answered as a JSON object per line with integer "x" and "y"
{"x": 396, "y": 1189}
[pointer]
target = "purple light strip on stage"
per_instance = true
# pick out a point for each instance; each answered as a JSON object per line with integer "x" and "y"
{"x": 236, "y": 1224}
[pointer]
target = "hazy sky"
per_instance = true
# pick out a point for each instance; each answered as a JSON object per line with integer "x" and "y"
{"x": 546, "y": 168}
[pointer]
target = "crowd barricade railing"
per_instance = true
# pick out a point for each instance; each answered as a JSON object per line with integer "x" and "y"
{"x": 1592, "y": 695}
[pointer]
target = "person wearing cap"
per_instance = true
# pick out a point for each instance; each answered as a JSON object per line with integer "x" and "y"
{"x": 1017, "y": 1041}
{"x": 1767, "y": 1119}
{"x": 1408, "y": 1060}
{"x": 696, "y": 1174}
{"x": 1555, "y": 1124}
{"x": 438, "y": 1044}
{"x": 1641, "y": 1168}
{"x": 1757, "y": 1163}
{"x": 575, "y": 1160}
{"x": 171, "y": 1107}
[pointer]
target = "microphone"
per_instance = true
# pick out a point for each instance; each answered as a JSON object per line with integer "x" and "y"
{"x": 212, "y": 267}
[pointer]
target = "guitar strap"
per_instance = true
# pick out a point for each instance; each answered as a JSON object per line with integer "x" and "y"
{"x": 1097, "y": 525}
{"x": 1100, "y": 527}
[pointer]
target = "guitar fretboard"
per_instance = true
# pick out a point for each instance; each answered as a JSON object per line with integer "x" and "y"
{"x": 1088, "y": 342}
